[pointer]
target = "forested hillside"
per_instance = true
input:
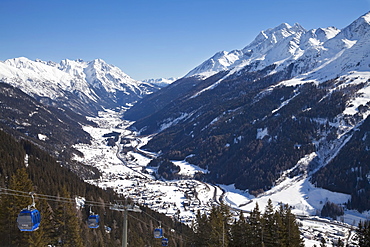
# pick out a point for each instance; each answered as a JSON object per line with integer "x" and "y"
{"x": 25, "y": 167}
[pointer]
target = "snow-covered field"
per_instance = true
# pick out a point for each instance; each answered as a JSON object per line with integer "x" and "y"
{"x": 123, "y": 168}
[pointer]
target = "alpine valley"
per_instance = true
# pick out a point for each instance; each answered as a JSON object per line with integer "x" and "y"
{"x": 285, "y": 118}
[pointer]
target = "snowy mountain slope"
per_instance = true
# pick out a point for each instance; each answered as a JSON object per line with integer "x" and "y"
{"x": 288, "y": 94}
{"x": 94, "y": 84}
{"x": 161, "y": 82}
{"x": 132, "y": 179}
{"x": 287, "y": 44}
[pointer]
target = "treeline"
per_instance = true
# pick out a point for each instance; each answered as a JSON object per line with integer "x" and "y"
{"x": 25, "y": 167}
{"x": 272, "y": 228}
{"x": 331, "y": 210}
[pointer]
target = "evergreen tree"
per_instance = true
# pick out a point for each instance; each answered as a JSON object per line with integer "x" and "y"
{"x": 43, "y": 236}
{"x": 202, "y": 230}
{"x": 255, "y": 233}
{"x": 218, "y": 219}
{"x": 340, "y": 243}
{"x": 68, "y": 231}
{"x": 11, "y": 205}
{"x": 238, "y": 232}
{"x": 270, "y": 228}
{"x": 363, "y": 233}
{"x": 291, "y": 234}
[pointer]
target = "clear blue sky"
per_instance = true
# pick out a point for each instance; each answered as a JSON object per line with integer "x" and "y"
{"x": 154, "y": 38}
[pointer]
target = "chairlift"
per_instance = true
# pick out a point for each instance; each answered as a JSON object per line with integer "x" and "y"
{"x": 93, "y": 220}
{"x": 164, "y": 241}
{"x": 29, "y": 218}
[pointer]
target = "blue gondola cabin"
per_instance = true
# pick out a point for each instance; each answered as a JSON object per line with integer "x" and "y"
{"x": 164, "y": 241}
{"x": 158, "y": 233}
{"x": 93, "y": 221}
{"x": 29, "y": 220}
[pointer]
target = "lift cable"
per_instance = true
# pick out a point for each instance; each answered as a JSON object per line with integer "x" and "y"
{"x": 5, "y": 191}
{"x": 51, "y": 198}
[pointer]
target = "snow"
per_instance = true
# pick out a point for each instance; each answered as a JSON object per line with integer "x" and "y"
{"x": 261, "y": 133}
{"x": 320, "y": 55}
{"x": 125, "y": 173}
{"x": 188, "y": 169}
{"x": 42, "y": 137}
{"x": 53, "y": 80}
{"x": 172, "y": 121}
{"x": 161, "y": 82}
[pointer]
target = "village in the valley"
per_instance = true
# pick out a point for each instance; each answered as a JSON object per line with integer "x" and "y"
{"x": 124, "y": 169}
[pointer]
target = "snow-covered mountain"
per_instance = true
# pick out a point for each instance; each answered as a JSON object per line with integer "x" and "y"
{"x": 285, "y": 44}
{"x": 94, "y": 84}
{"x": 161, "y": 82}
{"x": 252, "y": 116}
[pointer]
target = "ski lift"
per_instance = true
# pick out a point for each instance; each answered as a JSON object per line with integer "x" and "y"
{"x": 29, "y": 218}
{"x": 164, "y": 241}
{"x": 158, "y": 232}
{"x": 93, "y": 220}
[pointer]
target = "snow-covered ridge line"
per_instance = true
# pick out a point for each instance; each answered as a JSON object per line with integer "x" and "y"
{"x": 76, "y": 83}
{"x": 310, "y": 50}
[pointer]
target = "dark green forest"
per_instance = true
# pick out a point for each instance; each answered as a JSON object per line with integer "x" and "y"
{"x": 272, "y": 228}
{"x": 62, "y": 223}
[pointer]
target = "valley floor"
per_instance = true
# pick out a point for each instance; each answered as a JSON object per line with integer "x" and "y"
{"x": 123, "y": 168}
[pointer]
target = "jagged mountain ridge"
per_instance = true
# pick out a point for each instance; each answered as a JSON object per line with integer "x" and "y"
{"x": 287, "y": 44}
{"x": 85, "y": 87}
{"x": 290, "y": 95}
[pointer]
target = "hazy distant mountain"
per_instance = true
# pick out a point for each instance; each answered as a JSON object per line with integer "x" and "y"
{"x": 161, "y": 82}
{"x": 291, "y": 103}
{"x": 84, "y": 86}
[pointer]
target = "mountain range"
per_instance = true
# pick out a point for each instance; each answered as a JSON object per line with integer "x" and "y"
{"x": 85, "y": 87}
{"x": 292, "y": 103}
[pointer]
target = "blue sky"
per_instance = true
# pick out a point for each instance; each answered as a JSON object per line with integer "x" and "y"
{"x": 154, "y": 38}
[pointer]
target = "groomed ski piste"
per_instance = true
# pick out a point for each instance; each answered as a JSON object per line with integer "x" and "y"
{"x": 123, "y": 168}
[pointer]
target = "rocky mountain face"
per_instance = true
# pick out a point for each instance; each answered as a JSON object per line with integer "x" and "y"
{"x": 293, "y": 103}
{"x": 85, "y": 87}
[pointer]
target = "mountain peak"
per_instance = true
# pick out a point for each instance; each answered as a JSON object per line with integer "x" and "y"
{"x": 92, "y": 83}
{"x": 366, "y": 17}
{"x": 357, "y": 29}
{"x": 18, "y": 61}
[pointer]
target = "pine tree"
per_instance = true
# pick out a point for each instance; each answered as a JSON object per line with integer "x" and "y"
{"x": 11, "y": 205}
{"x": 202, "y": 230}
{"x": 269, "y": 225}
{"x": 218, "y": 219}
{"x": 238, "y": 232}
{"x": 279, "y": 229}
{"x": 255, "y": 233}
{"x": 291, "y": 234}
{"x": 363, "y": 233}
{"x": 340, "y": 243}
{"x": 68, "y": 231}
{"x": 43, "y": 236}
